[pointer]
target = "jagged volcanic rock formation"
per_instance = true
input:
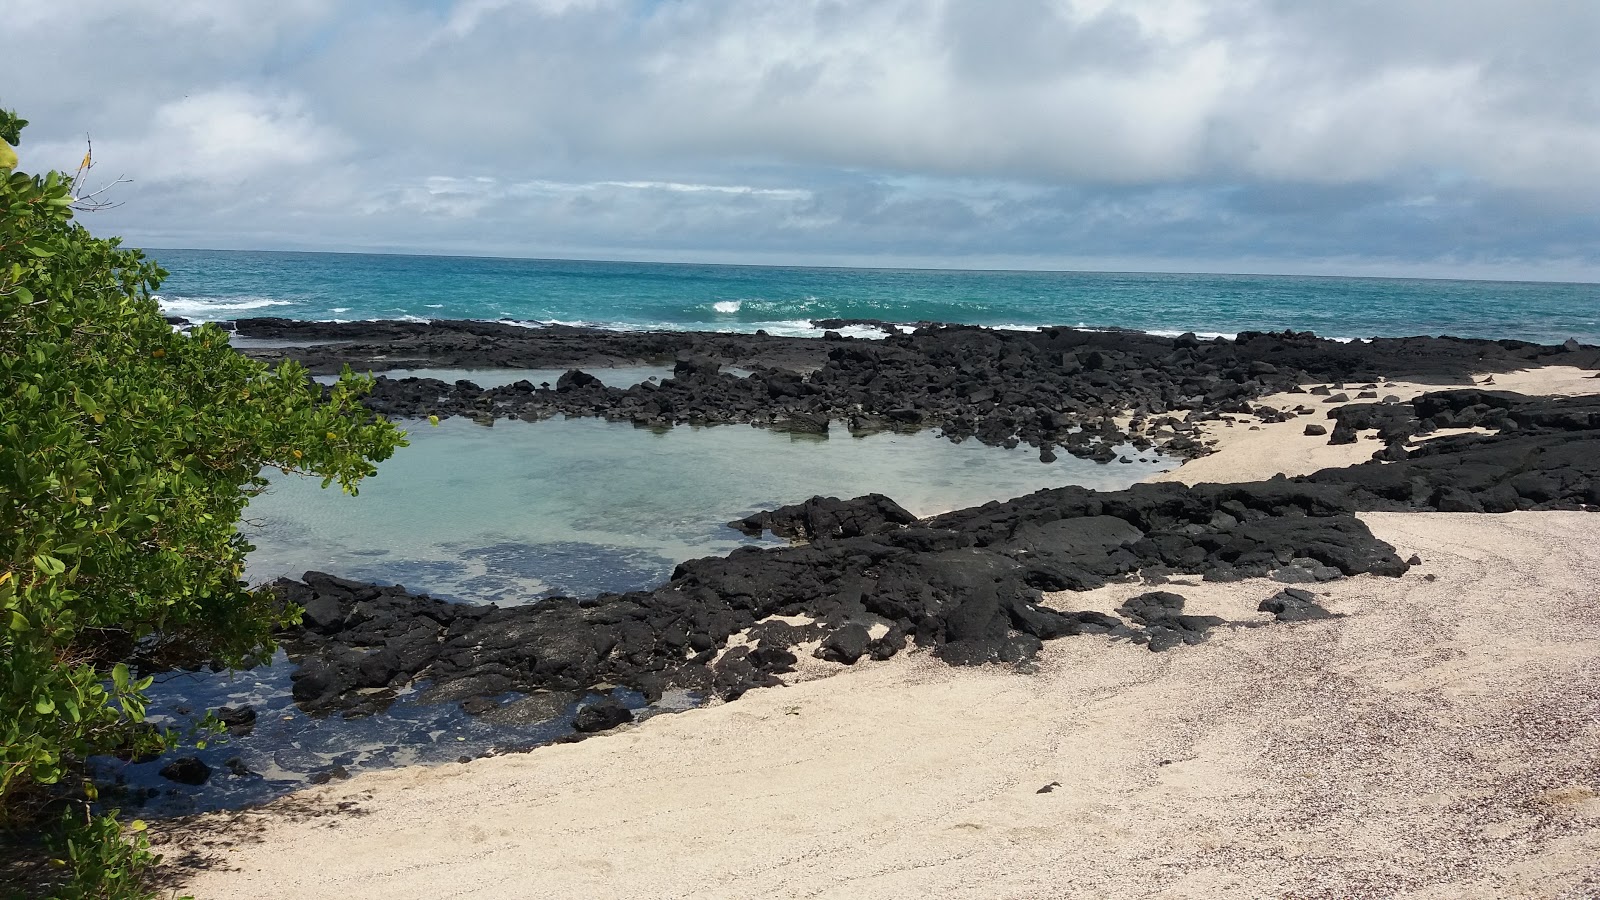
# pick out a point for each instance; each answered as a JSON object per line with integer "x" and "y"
{"x": 1054, "y": 387}
{"x": 967, "y": 584}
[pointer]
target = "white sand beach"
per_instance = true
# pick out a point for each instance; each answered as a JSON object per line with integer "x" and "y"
{"x": 1437, "y": 740}
{"x": 1249, "y": 449}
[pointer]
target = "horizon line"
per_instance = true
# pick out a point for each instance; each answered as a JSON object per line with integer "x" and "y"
{"x": 883, "y": 268}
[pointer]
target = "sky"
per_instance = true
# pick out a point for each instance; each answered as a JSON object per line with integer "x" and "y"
{"x": 1454, "y": 138}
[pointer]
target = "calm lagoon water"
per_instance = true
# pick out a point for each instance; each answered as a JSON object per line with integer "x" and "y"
{"x": 522, "y": 510}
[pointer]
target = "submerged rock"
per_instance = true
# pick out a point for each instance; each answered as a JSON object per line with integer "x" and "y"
{"x": 186, "y": 770}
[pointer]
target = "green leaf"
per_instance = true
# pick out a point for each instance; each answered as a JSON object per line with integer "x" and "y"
{"x": 126, "y": 456}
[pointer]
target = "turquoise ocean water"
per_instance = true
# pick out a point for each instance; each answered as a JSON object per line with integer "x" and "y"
{"x": 219, "y": 285}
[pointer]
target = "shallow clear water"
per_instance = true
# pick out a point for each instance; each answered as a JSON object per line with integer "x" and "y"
{"x": 218, "y": 285}
{"x": 287, "y": 748}
{"x": 515, "y": 512}
{"x": 524, "y": 510}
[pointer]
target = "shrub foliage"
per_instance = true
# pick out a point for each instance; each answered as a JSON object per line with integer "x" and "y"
{"x": 128, "y": 451}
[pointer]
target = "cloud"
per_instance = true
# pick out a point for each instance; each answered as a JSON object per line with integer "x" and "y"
{"x": 1433, "y": 132}
{"x": 231, "y": 134}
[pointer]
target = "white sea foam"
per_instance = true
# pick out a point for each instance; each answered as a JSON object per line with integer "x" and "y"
{"x": 727, "y": 306}
{"x": 339, "y": 309}
{"x": 1203, "y": 335}
{"x": 207, "y": 308}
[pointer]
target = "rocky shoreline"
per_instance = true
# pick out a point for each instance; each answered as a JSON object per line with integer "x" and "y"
{"x": 968, "y": 585}
{"x": 1084, "y": 392}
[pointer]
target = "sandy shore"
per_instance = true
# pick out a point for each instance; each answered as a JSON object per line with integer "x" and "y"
{"x": 1249, "y": 449}
{"x": 1438, "y": 740}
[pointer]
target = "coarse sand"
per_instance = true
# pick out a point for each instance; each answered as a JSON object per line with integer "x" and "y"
{"x": 1442, "y": 739}
{"x": 1249, "y": 449}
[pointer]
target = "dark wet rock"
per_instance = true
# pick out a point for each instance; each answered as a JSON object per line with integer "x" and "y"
{"x": 772, "y": 659}
{"x": 485, "y": 684}
{"x": 477, "y": 706}
{"x": 892, "y": 642}
{"x": 329, "y": 774}
{"x": 186, "y": 770}
{"x": 236, "y": 767}
{"x": 1303, "y": 570}
{"x": 601, "y": 716}
{"x": 969, "y": 585}
{"x": 1049, "y": 387}
{"x": 530, "y": 710}
{"x": 1538, "y": 465}
{"x": 846, "y": 645}
{"x": 238, "y": 719}
{"x": 570, "y": 380}
{"x": 1165, "y": 623}
{"x": 1294, "y": 605}
{"x": 822, "y": 517}
{"x": 1315, "y": 430}
{"x": 966, "y": 584}
{"x": 322, "y": 612}
{"x": 835, "y": 323}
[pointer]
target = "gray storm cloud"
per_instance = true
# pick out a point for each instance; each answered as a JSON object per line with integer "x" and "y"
{"x": 1433, "y": 136}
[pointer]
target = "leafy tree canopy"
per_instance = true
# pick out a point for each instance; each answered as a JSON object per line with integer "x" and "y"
{"x": 128, "y": 451}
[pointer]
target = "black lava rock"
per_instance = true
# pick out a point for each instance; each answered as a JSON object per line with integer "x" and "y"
{"x": 968, "y": 585}
{"x": 1294, "y": 605}
{"x": 846, "y": 645}
{"x": 238, "y": 719}
{"x": 186, "y": 770}
{"x": 602, "y": 716}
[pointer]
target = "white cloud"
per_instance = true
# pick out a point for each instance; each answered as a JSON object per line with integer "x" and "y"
{"x": 944, "y": 126}
{"x": 232, "y": 134}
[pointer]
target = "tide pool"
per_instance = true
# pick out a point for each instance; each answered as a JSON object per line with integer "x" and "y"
{"x": 520, "y": 511}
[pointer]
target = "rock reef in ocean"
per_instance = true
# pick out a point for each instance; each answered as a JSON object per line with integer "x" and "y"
{"x": 1051, "y": 388}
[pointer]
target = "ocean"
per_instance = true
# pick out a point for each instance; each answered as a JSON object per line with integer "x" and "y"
{"x": 209, "y": 285}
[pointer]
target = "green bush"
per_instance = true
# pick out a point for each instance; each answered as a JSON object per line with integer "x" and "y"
{"x": 128, "y": 451}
